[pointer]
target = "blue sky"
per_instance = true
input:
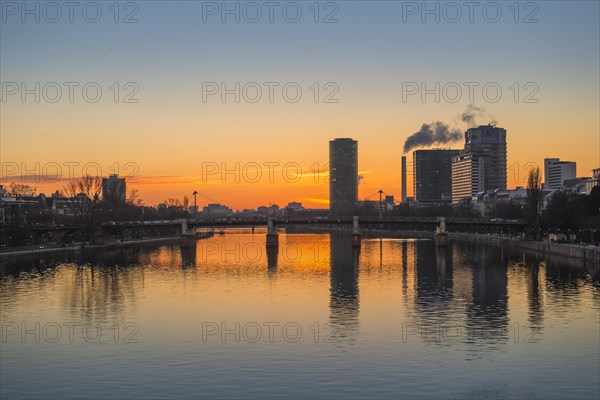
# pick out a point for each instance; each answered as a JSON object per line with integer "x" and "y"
{"x": 368, "y": 53}
{"x": 370, "y": 38}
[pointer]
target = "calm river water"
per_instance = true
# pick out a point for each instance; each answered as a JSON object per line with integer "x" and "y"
{"x": 228, "y": 319}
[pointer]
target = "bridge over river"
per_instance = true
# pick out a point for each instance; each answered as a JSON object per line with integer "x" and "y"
{"x": 366, "y": 223}
{"x": 61, "y": 233}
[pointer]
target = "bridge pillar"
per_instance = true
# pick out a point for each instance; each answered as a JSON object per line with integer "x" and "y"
{"x": 272, "y": 234}
{"x": 184, "y": 226}
{"x": 272, "y": 253}
{"x": 442, "y": 221}
{"x": 356, "y": 236}
{"x": 441, "y": 236}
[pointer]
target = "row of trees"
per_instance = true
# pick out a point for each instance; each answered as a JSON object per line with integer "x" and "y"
{"x": 571, "y": 212}
{"x": 566, "y": 212}
{"x": 86, "y": 205}
{"x": 90, "y": 210}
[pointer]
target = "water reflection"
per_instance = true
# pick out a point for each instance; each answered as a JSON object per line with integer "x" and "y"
{"x": 343, "y": 300}
{"x": 487, "y": 316}
{"x": 272, "y": 254}
{"x": 489, "y": 285}
{"x": 433, "y": 278}
{"x": 405, "y": 270}
{"x": 188, "y": 256}
{"x": 94, "y": 294}
{"x": 90, "y": 287}
{"x": 535, "y": 293}
{"x": 169, "y": 292}
{"x": 456, "y": 293}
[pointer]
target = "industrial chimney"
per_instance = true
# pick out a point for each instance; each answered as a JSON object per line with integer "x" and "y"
{"x": 403, "y": 197}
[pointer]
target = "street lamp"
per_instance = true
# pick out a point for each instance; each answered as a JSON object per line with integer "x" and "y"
{"x": 195, "y": 206}
{"x": 380, "y": 202}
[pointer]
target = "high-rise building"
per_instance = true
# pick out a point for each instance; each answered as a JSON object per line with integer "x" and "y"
{"x": 114, "y": 189}
{"x": 467, "y": 177}
{"x": 343, "y": 175}
{"x": 556, "y": 172}
{"x": 482, "y": 162}
{"x": 489, "y": 142}
{"x": 432, "y": 175}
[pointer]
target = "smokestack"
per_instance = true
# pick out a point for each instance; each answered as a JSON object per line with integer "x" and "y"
{"x": 403, "y": 197}
{"x": 439, "y": 132}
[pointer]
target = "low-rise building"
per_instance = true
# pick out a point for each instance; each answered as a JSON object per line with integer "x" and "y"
{"x": 593, "y": 182}
{"x": 217, "y": 210}
{"x": 269, "y": 211}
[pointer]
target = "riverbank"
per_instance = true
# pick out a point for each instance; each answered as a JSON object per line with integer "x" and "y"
{"x": 583, "y": 252}
{"x": 586, "y": 253}
{"x": 78, "y": 248}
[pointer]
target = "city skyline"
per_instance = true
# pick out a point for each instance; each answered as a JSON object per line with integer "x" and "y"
{"x": 280, "y": 181}
{"x": 170, "y": 131}
{"x": 455, "y": 164}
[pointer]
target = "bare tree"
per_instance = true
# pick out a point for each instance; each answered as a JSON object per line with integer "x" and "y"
{"x": 83, "y": 199}
{"x": 534, "y": 194}
{"x": 134, "y": 198}
{"x": 20, "y": 189}
{"x": 172, "y": 202}
{"x": 172, "y": 205}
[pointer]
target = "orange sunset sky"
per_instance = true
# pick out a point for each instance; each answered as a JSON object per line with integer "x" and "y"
{"x": 169, "y": 156}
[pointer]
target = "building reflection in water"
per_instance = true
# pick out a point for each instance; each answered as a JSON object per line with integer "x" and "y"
{"x": 344, "y": 302}
{"x": 490, "y": 279}
{"x": 408, "y": 276}
{"x": 188, "y": 257}
{"x": 535, "y": 291}
{"x": 459, "y": 287}
{"x": 272, "y": 254}
{"x": 404, "y": 265}
{"x": 433, "y": 282}
{"x": 487, "y": 312}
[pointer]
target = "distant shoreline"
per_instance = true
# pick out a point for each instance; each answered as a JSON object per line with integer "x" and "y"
{"x": 78, "y": 248}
